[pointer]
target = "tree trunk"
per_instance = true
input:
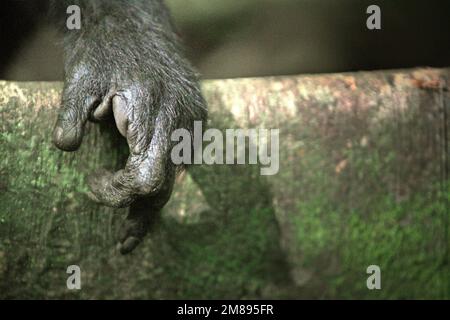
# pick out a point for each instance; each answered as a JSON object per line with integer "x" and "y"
{"x": 363, "y": 180}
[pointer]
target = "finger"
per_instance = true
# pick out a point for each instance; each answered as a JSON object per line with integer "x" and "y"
{"x": 119, "y": 107}
{"x": 142, "y": 174}
{"x": 128, "y": 245}
{"x": 104, "y": 110}
{"x": 143, "y": 215}
{"x": 132, "y": 233}
{"x": 147, "y": 168}
{"x": 123, "y": 187}
{"x": 69, "y": 128}
{"x": 133, "y": 230}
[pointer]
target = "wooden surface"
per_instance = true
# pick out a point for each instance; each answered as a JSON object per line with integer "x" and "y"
{"x": 363, "y": 180}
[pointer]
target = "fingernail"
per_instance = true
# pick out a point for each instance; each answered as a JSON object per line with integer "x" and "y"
{"x": 66, "y": 140}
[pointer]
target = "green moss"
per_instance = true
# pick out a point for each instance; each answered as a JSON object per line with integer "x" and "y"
{"x": 339, "y": 235}
{"x": 229, "y": 261}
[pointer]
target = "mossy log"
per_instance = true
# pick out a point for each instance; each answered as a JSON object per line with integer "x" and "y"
{"x": 363, "y": 180}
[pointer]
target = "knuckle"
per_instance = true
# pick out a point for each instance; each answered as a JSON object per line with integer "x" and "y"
{"x": 68, "y": 115}
{"x": 149, "y": 186}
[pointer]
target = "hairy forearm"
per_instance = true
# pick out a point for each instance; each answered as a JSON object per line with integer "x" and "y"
{"x": 123, "y": 29}
{"x": 142, "y": 14}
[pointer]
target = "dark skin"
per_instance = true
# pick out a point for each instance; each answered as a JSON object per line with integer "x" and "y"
{"x": 126, "y": 63}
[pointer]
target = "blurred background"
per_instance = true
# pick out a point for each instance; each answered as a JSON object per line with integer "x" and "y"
{"x": 241, "y": 38}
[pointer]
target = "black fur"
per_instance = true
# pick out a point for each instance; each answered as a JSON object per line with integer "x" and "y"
{"x": 126, "y": 57}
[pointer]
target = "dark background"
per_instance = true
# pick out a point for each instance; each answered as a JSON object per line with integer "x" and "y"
{"x": 237, "y": 38}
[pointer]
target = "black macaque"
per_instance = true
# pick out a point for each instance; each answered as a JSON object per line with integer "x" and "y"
{"x": 126, "y": 62}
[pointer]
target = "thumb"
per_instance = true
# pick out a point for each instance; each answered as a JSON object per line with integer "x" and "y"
{"x": 73, "y": 115}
